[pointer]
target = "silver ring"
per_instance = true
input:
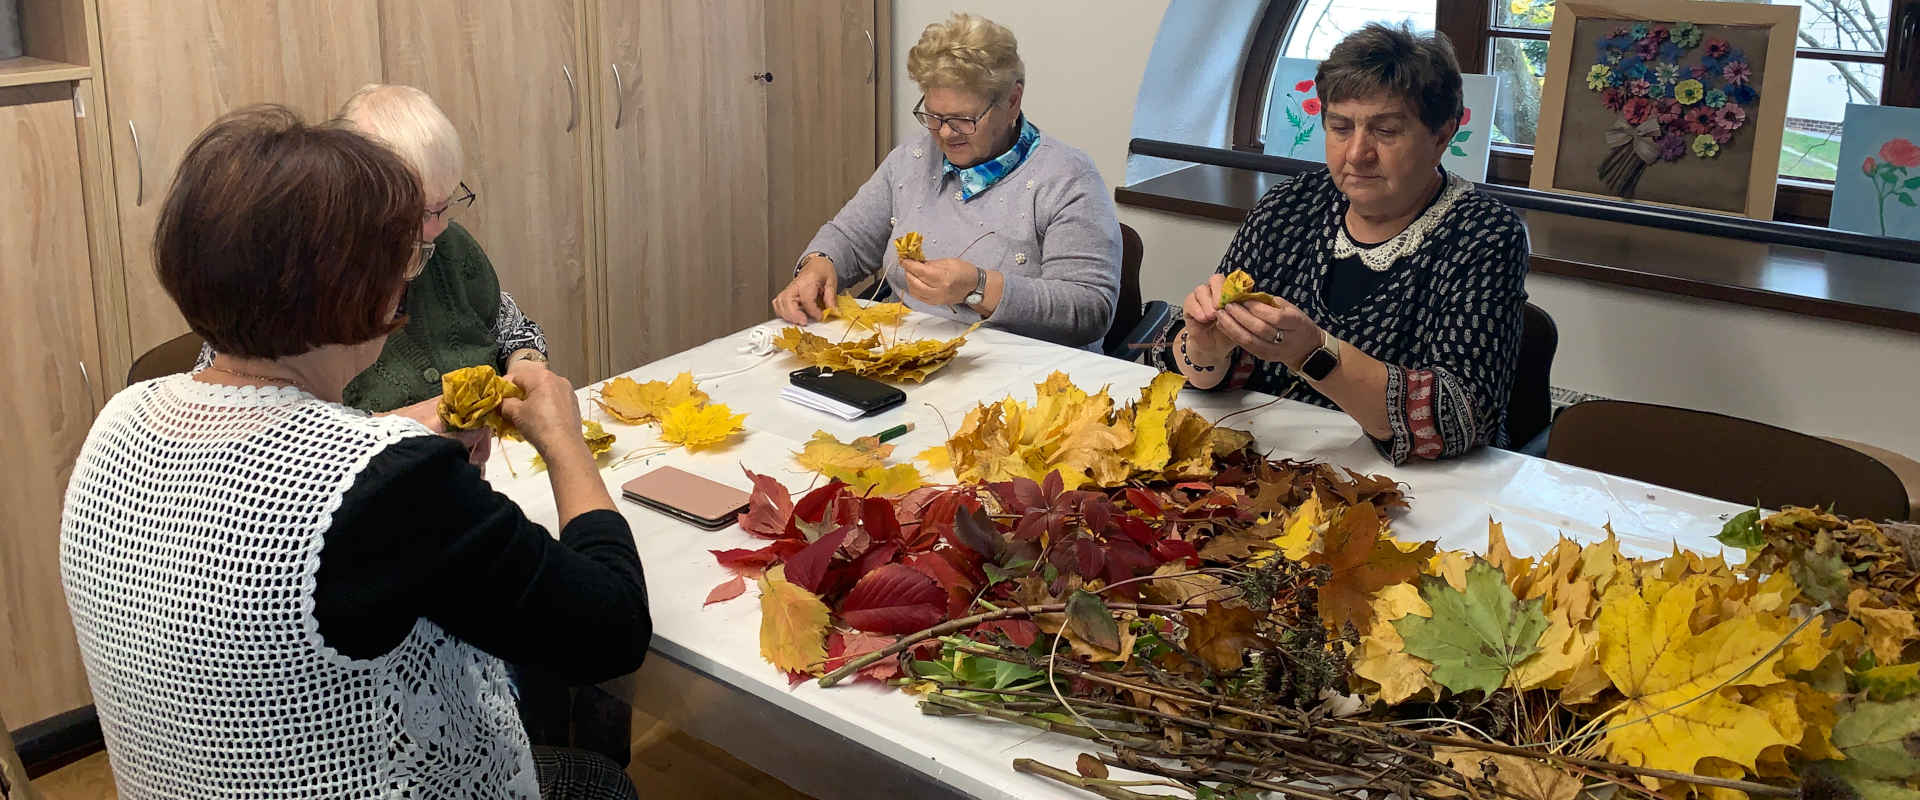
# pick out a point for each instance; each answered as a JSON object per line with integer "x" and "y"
{"x": 1279, "y": 336}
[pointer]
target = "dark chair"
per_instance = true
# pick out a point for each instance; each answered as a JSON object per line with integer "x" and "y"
{"x": 1133, "y": 322}
{"x": 1728, "y": 458}
{"x": 174, "y": 355}
{"x": 1530, "y": 402}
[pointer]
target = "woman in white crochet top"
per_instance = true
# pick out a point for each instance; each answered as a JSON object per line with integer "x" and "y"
{"x": 277, "y": 595}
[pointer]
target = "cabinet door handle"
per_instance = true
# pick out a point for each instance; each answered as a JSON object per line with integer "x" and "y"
{"x": 873, "y": 55}
{"x": 139, "y": 168}
{"x": 1909, "y": 35}
{"x": 573, "y": 96}
{"x": 87, "y": 381}
{"x": 619, "y": 98}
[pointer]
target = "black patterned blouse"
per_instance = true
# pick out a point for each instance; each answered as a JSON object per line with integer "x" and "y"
{"x": 1446, "y": 318}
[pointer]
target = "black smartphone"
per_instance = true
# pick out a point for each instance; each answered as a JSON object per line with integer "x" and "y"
{"x": 866, "y": 394}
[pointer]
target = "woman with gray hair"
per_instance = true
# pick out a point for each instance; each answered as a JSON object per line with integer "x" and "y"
{"x": 1018, "y": 230}
{"x": 1398, "y": 287}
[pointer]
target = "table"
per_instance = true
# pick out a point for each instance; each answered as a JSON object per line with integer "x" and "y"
{"x": 859, "y": 740}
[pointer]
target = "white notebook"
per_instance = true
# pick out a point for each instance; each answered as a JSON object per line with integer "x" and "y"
{"x": 819, "y": 402}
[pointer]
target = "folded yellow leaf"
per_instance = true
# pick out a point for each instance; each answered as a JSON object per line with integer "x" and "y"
{"x": 869, "y": 317}
{"x": 908, "y": 247}
{"x": 633, "y": 403}
{"x": 471, "y": 397}
{"x": 1238, "y": 288}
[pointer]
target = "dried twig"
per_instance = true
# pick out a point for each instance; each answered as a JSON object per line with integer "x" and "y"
{"x": 944, "y": 628}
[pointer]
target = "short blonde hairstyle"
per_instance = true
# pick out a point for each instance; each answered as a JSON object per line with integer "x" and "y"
{"x": 410, "y": 124}
{"x": 967, "y": 52}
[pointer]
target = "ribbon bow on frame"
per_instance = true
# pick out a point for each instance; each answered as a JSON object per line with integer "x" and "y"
{"x": 1640, "y": 135}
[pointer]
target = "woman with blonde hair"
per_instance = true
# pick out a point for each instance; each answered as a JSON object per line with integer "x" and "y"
{"x": 1018, "y": 229}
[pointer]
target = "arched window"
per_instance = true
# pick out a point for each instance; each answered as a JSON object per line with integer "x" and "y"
{"x": 1851, "y": 51}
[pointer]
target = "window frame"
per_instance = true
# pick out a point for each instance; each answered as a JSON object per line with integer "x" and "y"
{"x": 1469, "y": 25}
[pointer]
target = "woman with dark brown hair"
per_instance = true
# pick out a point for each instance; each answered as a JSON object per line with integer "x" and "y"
{"x": 278, "y": 595}
{"x": 1399, "y": 287}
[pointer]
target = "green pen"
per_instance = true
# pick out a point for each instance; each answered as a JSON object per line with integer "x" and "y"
{"x": 894, "y": 432}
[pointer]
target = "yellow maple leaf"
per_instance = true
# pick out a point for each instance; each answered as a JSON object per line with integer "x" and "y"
{"x": 826, "y": 452}
{"x": 1524, "y": 778}
{"x": 1302, "y": 535}
{"x": 599, "y": 442}
{"x": 869, "y": 317}
{"x": 697, "y": 426}
{"x": 632, "y": 402}
{"x": 1805, "y": 716}
{"x": 879, "y": 481}
{"x": 1680, "y": 705}
{"x": 1150, "y": 450}
{"x": 1382, "y": 655}
{"x": 793, "y": 624}
{"x": 911, "y": 361}
{"x": 1563, "y": 649}
{"x": 1238, "y": 288}
{"x": 936, "y": 458}
{"x": 471, "y": 397}
{"x": 908, "y": 247}
{"x": 1888, "y": 629}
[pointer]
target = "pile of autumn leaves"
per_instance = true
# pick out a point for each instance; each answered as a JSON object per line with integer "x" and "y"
{"x": 1803, "y": 663}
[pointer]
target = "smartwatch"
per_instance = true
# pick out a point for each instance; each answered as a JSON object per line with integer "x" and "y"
{"x": 1321, "y": 362}
{"x": 979, "y": 293}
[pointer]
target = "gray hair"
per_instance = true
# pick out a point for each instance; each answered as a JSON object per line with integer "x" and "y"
{"x": 410, "y": 124}
{"x": 1395, "y": 61}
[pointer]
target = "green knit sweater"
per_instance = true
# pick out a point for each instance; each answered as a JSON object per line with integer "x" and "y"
{"x": 450, "y": 308}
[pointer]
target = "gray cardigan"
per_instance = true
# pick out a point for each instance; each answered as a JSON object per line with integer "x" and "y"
{"x": 1048, "y": 226}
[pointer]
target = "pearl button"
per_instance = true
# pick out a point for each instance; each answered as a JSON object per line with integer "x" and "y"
{"x": 430, "y": 374}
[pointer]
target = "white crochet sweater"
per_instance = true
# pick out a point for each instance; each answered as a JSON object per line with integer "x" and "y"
{"x": 192, "y": 535}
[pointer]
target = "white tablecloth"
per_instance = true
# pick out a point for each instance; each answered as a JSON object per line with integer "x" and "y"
{"x": 1536, "y": 500}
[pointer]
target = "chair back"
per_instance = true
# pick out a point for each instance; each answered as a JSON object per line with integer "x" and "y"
{"x": 1530, "y": 401}
{"x": 174, "y": 355}
{"x": 13, "y": 777}
{"x": 1126, "y": 313}
{"x": 1723, "y": 457}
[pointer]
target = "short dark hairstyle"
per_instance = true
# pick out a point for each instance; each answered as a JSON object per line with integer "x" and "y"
{"x": 278, "y": 237}
{"x": 1395, "y": 61}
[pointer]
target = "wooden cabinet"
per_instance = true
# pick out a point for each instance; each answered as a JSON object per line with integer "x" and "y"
{"x": 508, "y": 75}
{"x": 685, "y": 175}
{"x": 47, "y": 313}
{"x": 173, "y": 66}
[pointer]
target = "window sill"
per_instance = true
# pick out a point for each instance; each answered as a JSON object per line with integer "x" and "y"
{"x": 1848, "y": 287}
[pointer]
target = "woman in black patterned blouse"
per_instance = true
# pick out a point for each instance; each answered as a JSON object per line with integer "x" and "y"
{"x": 1398, "y": 287}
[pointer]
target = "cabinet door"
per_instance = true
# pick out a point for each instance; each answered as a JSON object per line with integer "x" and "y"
{"x": 46, "y": 312}
{"x": 685, "y": 181}
{"x": 174, "y": 66}
{"x": 822, "y": 106}
{"x": 508, "y": 75}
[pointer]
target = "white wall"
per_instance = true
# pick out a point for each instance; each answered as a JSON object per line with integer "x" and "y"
{"x": 1085, "y": 60}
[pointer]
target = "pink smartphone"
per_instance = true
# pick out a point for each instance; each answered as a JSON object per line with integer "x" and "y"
{"x": 687, "y": 497}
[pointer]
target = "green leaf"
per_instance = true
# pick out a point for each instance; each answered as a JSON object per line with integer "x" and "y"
{"x": 1881, "y": 740}
{"x": 1089, "y": 617}
{"x": 1304, "y": 134}
{"x": 1912, "y": 183}
{"x": 1906, "y": 199}
{"x": 1462, "y": 136}
{"x": 1292, "y": 118}
{"x": 1887, "y": 684}
{"x": 1477, "y": 637}
{"x": 1455, "y": 149}
{"x": 1743, "y": 531}
{"x": 1822, "y": 578}
{"x": 996, "y": 573}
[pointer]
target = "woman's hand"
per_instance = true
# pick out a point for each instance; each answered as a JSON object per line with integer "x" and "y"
{"x": 524, "y": 366}
{"x": 479, "y": 444}
{"x": 426, "y": 412}
{"x": 1205, "y": 341}
{"x": 942, "y": 281}
{"x": 1279, "y": 333}
{"x": 549, "y": 414}
{"x": 810, "y": 293}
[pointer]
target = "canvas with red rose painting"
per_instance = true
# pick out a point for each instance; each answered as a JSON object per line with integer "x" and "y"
{"x": 1877, "y": 186}
{"x": 1296, "y": 125}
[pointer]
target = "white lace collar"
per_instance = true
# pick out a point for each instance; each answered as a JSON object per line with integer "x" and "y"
{"x": 1381, "y": 257}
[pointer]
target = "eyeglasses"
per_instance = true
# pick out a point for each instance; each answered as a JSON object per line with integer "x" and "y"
{"x": 964, "y": 126}
{"x": 461, "y": 200}
{"x": 422, "y": 253}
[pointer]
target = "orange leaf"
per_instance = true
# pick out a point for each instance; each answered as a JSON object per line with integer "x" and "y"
{"x": 726, "y": 591}
{"x": 1362, "y": 562}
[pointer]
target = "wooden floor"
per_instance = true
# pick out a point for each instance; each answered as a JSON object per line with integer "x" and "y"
{"x": 666, "y": 763}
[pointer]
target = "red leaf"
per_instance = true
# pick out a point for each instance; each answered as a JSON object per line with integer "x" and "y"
{"x": 950, "y": 576}
{"x": 1144, "y": 500}
{"x": 893, "y": 599}
{"x": 1021, "y": 632}
{"x": 847, "y": 509}
{"x": 1098, "y": 513}
{"x": 1138, "y": 530}
{"x": 748, "y": 562}
{"x": 1054, "y": 485}
{"x": 768, "y": 508}
{"x": 807, "y": 569}
{"x": 1088, "y": 558}
{"x": 1170, "y": 549}
{"x": 1029, "y": 494}
{"x": 975, "y": 531}
{"x": 936, "y": 524}
{"x": 880, "y": 555}
{"x": 726, "y": 591}
{"x": 813, "y": 507}
{"x": 1127, "y": 560}
{"x": 877, "y": 517}
{"x": 1031, "y": 526}
{"x": 845, "y": 647}
{"x": 1194, "y": 486}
